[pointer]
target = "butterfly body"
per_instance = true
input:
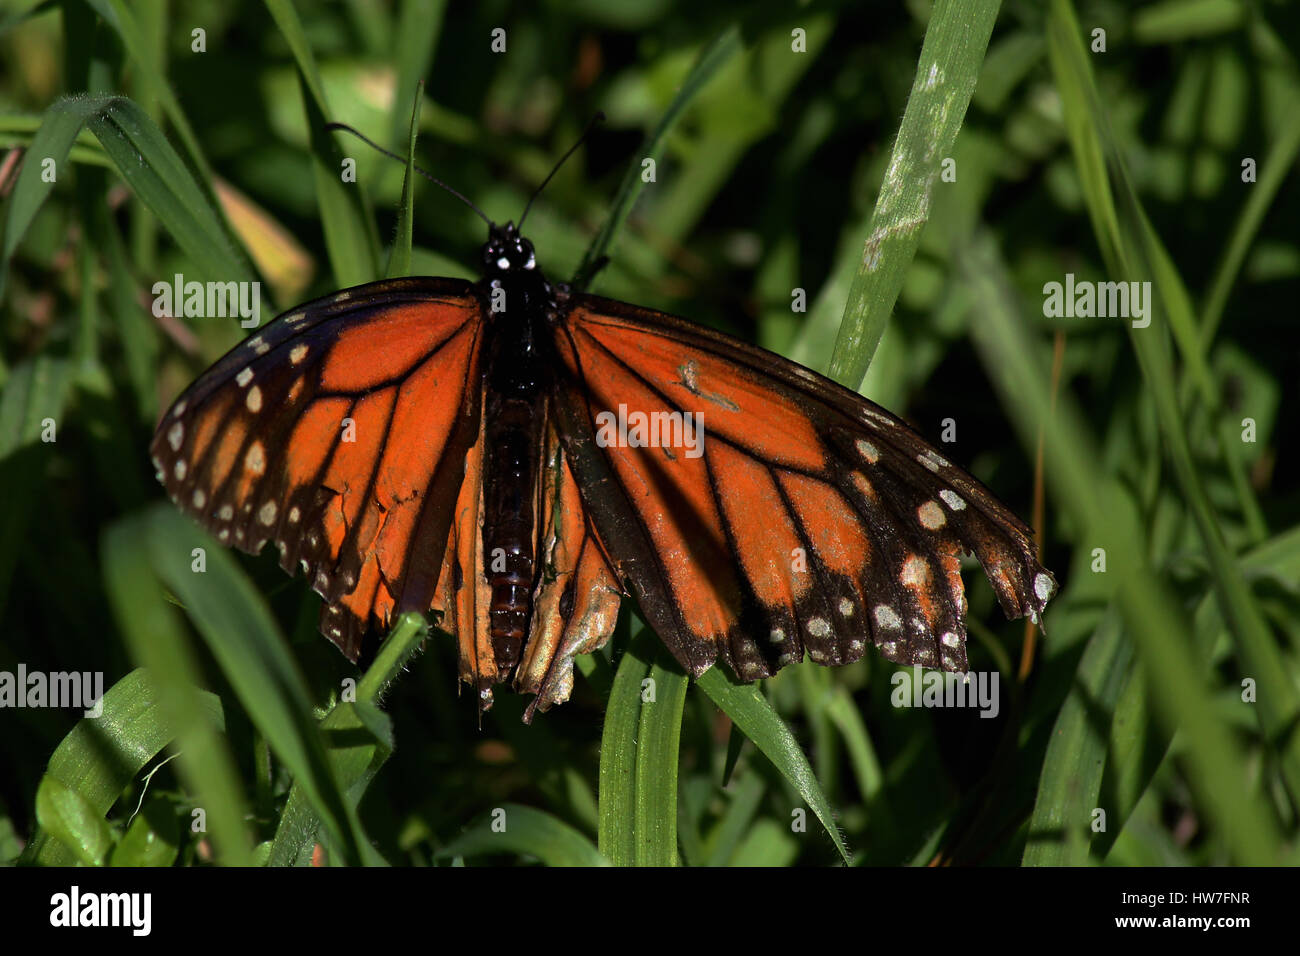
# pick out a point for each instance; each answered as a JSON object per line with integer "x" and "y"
{"x": 515, "y": 387}
{"x": 518, "y": 457}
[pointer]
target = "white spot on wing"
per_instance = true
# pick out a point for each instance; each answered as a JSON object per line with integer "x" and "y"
{"x": 932, "y": 460}
{"x": 868, "y": 451}
{"x": 175, "y": 435}
{"x": 952, "y": 499}
{"x": 916, "y": 573}
{"x": 244, "y": 377}
{"x": 931, "y": 516}
{"x": 887, "y": 617}
{"x": 255, "y": 460}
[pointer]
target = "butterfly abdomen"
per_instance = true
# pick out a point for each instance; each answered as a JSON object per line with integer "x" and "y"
{"x": 512, "y": 456}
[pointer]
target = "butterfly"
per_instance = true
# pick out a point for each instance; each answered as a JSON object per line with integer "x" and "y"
{"x": 518, "y": 456}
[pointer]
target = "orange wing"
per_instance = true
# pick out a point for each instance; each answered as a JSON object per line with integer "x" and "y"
{"x": 799, "y": 517}
{"x": 339, "y": 431}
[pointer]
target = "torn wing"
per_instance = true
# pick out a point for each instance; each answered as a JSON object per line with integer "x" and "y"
{"x": 575, "y": 601}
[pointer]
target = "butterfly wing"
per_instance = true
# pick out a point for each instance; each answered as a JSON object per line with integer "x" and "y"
{"x": 464, "y": 595}
{"x": 808, "y": 519}
{"x": 577, "y": 597}
{"x": 340, "y": 432}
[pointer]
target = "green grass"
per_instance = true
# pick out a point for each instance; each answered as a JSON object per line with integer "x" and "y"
{"x": 1165, "y": 694}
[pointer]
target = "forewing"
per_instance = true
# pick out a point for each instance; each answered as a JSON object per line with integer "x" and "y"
{"x": 339, "y": 432}
{"x": 807, "y": 520}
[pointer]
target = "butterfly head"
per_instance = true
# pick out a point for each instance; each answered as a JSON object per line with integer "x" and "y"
{"x": 506, "y": 251}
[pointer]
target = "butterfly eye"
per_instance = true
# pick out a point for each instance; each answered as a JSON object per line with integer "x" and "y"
{"x": 525, "y": 256}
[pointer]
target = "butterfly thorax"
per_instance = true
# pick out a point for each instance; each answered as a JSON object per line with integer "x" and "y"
{"x": 519, "y": 297}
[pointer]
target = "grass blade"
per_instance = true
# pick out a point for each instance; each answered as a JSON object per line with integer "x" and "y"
{"x": 118, "y": 15}
{"x": 515, "y": 829}
{"x": 419, "y": 25}
{"x": 617, "y": 834}
{"x": 367, "y": 742}
{"x": 144, "y": 158}
{"x": 751, "y": 712}
{"x": 1128, "y": 258}
{"x": 350, "y": 235}
{"x": 1019, "y": 369}
{"x": 399, "y": 257}
{"x": 237, "y": 627}
{"x": 1070, "y": 782}
{"x": 1274, "y": 169}
{"x": 70, "y": 819}
{"x": 155, "y": 637}
{"x": 723, "y": 47}
{"x": 101, "y": 756}
{"x": 949, "y": 65}
{"x": 657, "y": 761}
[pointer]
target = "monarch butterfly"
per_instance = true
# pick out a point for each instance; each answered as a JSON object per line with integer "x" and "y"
{"x": 518, "y": 456}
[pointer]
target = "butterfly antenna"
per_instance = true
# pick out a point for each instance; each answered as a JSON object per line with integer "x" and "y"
{"x": 402, "y": 159}
{"x": 598, "y": 118}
